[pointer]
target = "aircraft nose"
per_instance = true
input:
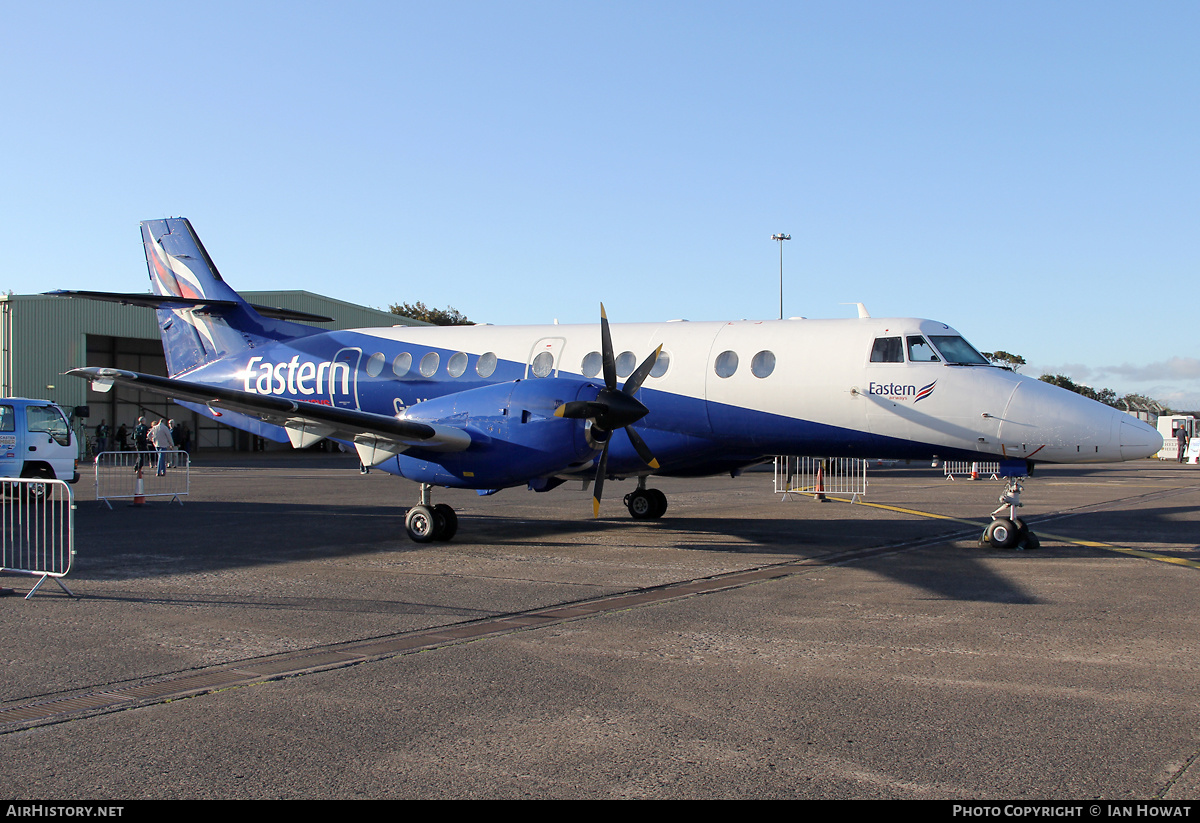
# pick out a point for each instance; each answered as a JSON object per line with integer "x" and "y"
{"x": 1138, "y": 438}
{"x": 1066, "y": 427}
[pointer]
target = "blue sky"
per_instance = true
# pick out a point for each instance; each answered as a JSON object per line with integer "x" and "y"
{"x": 1026, "y": 172}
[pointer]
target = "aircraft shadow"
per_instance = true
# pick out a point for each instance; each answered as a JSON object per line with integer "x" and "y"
{"x": 163, "y": 539}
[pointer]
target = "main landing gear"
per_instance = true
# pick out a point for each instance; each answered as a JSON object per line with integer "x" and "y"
{"x": 425, "y": 521}
{"x": 1009, "y": 532}
{"x": 644, "y": 503}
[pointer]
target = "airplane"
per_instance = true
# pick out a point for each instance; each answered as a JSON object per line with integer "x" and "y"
{"x": 488, "y": 408}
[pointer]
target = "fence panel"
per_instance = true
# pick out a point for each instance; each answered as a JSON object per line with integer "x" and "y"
{"x": 135, "y": 475}
{"x": 973, "y": 469}
{"x": 37, "y": 529}
{"x": 815, "y": 476}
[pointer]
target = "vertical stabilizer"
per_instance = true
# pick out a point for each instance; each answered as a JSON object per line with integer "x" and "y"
{"x": 194, "y": 335}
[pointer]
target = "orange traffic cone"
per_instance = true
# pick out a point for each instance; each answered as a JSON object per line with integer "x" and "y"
{"x": 974, "y": 471}
{"x": 820, "y": 495}
{"x": 139, "y": 490}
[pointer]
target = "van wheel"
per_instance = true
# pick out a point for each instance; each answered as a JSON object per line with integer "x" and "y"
{"x": 35, "y": 491}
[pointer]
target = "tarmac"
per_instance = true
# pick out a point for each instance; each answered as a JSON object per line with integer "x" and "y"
{"x": 278, "y": 636}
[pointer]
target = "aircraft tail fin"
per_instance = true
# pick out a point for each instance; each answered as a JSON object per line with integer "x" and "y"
{"x": 195, "y": 331}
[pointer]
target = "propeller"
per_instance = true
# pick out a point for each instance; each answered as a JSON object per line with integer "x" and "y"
{"x": 613, "y": 408}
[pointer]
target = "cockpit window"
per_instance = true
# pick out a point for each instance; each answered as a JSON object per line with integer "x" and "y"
{"x": 887, "y": 350}
{"x": 957, "y": 351}
{"x": 919, "y": 351}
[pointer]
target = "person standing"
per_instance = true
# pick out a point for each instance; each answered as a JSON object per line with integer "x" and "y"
{"x": 102, "y": 437}
{"x": 141, "y": 441}
{"x": 1181, "y": 439}
{"x": 161, "y": 435}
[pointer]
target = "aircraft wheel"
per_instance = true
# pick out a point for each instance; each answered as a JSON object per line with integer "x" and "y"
{"x": 641, "y": 504}
{"x": 1031, "y": 542}
{"x": 660, "y": 502}
{"x": 1002, "y": 533}
{"x": 421, "y": 524}
{"x": 448, "y": 522}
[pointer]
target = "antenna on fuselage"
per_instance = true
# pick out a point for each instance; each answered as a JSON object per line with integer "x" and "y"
{"x": 862, "y": 310}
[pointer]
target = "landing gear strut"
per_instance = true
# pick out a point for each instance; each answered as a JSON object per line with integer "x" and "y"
{"x": 425, "y": 521}
{"x": 1009, "y": 531}
{"x": 644, "y": 503}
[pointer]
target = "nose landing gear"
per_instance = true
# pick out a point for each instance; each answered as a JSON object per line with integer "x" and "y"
{"x": 1009, "y": 532}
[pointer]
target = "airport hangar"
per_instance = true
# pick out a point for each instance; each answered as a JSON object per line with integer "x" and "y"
{"x": 41, "y": 336}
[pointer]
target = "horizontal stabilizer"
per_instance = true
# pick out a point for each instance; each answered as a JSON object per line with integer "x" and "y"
{"x": 202, "y": 304}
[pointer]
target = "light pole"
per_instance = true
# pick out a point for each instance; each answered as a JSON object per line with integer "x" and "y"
{"x": 781, "y": 237}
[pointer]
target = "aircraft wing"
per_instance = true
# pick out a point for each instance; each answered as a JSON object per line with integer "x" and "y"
{"x": 376, "y": 437}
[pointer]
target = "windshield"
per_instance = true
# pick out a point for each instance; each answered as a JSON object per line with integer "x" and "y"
{"x": 957, "y": 351}
{"x": 48, "y": 419}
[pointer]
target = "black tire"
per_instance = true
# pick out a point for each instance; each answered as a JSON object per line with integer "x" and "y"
{"x": 35, "y": 491}
{"x": 641, "y": 505}
{"x": 660, "y": 502}
{"x": 421, "y": 524}
{"x": 1002, "y": 533}
{"x": 449, "y": 522}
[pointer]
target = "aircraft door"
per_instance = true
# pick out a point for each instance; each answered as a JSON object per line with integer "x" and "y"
{"x": 343, "y": 378}
{"x": 544, "y": 358}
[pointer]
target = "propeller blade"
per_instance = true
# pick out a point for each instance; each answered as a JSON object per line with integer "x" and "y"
{"x": 598, "y": 486}
{"x": 636, "y": 379}
{"x": 606, "y": 352}
{"x": 639, "y": 445}
{"x": 580, "y": 409}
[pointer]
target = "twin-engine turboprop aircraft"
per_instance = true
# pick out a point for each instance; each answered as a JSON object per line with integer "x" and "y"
{"x": 487, "y": 408}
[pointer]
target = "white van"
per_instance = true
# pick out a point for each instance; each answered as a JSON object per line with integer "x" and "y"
{"x": 36, "y": 441}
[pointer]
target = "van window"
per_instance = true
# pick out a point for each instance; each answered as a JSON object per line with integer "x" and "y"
{"x": 8, "y": 419}
{"x": 48, "y": 419}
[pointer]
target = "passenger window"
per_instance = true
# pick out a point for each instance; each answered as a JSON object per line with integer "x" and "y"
{"x": 429, "y": 364}
{"x": 661, "y": 364}
{"x": 487, "y": 364}
{"x": 402, "y": 364}
{"x": 887, "y": 350}
{"x": 457, "y": 364}
{"x": 919, "y": 351}
{"x": 726, "y": 364}
{"x": 763, "y": 364}
{"x": 626, "y": 363}
{"x": 375, "y": 364}
{"x": 542, "y": 365}
{"x": 593, "y": 362}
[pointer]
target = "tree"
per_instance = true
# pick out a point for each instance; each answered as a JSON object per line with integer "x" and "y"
{"x": 1013, "y": 362}
{"x": 1106, "y": 396}
{"x": 449, "y": 316}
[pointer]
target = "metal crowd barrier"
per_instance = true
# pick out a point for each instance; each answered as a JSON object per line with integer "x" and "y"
{"x": 973, "y": 470}
{"x": 118, "y": 476}
{"x": 817, "y": 476}
{"x": 37, "y": 529}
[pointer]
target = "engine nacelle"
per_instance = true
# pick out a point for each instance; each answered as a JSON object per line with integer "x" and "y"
{"x": 515, "y": 435}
